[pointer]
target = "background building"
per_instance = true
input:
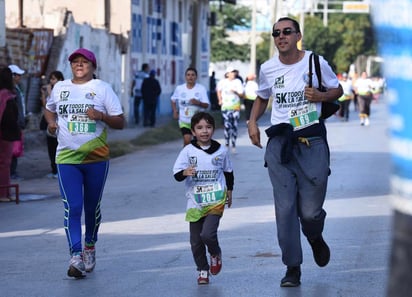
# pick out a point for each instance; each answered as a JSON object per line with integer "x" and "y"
{"x": 169, "y": 35}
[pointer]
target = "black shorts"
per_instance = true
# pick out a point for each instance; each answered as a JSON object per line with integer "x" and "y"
{"x": 185, "y": 131}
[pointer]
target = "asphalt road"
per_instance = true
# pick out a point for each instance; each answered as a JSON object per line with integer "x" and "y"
{"x": 143, "y": 248}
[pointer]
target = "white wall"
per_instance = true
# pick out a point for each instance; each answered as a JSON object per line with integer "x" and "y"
{"x": 165, "y": 39}
{"x": 106, "y": 50}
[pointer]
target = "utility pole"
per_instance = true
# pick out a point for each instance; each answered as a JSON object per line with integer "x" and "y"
{"x": 325, "y": 13}
{"x": 253, "y": 40}
{"x": 302, "y": 23}
{"x": 21, "y": 14}
{"x": 276, "y": 8}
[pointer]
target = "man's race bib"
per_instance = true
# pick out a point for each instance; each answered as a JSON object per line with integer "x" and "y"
{"x": 303, "y": 116}
{"x": 208, "y": 194}
{"x": 80, "y": 124}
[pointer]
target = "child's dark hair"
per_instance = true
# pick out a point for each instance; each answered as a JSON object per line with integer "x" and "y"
{"x": 197, "y": 117}
{"x": 191, "y": 69}
{"x": 57, "y": 74}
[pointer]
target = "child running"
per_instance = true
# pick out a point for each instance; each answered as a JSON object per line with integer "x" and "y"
{"x": 206, "y": 167}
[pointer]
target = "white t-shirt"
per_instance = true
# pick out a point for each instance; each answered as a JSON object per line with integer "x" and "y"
{"x": 347, "y": 89}
{"x": 286, "y": 84}
{"x": 206, "y": 191}
{"x": 138, "y": 81}
{"x": 363, "y": 86}
{"x": 182, "y": 96}
{"x": 250, "y": 89}
{"x": 230, "y": 100}
{"x": 80, "y": 139}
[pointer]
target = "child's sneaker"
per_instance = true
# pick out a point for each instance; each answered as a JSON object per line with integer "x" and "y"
{"x": 203, "y": 278}
{"x": 76, "y": 268}
{"x": 89, "y": 258}
{"x": 215, "y": 264}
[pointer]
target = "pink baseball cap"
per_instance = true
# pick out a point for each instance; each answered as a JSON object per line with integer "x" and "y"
{"x": 86, "y": 54}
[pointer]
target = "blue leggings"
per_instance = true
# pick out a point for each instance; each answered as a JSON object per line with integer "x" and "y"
{"x": 82, "y": 184}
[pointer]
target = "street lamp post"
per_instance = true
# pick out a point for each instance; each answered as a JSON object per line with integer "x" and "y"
{"x": 253, "y": 40}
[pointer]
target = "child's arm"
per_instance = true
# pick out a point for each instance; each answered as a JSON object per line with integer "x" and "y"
{"x": 181, "y": 175}
{"x": 230, "y": 180}
{"x": 229, "y": 198}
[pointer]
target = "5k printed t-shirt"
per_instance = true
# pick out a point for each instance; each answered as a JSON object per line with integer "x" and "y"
{"x": 206, "y": 191}
{"x": 182, "y": 96}
{"x": 80, "y": 139}
{"x": 286, "y": 84}
{"x": 230, "y": 100}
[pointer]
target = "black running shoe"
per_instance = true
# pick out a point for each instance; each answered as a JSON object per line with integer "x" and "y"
{"x": 321, "y": 252}
{"x": 292, "y": 277}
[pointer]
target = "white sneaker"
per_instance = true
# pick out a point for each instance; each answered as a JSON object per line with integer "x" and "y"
{"x": 367, "y": 123}
{"x": 203, "y": 278}
{"x": 362, "y": 121}
{"x": 76, "y": 268}
{"x": 52, "y": 176}
{"x": 89, "y": 258}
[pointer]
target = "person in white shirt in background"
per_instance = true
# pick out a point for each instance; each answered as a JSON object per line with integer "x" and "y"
{"x": 250, "y": 94}
{"x": 363, "y": 88}
{"x": 229, "y": 92}
{"x": 188, "y": 99}
{"x": 347, "y": 96}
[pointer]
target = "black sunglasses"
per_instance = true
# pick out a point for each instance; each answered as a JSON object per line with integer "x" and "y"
{"x": 286, "y": 31}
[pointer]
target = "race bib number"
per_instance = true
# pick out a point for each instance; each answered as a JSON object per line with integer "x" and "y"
{"x": 208, "y": 194}
{"x": 303, "y": 116}
{"x": 190, "y": 111}
{"x": 80, "y": 124}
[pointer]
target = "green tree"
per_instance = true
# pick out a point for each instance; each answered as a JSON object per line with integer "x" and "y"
{"x": 229, "y": 17}
{"x": 263, "y": 48}
{"x": 346, "y": 37}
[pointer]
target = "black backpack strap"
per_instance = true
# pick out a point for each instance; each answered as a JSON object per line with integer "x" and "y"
{"x": 310, "y": 70}
{"x": 318, "y": 72}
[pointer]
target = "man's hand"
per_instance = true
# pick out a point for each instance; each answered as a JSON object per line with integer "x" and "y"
{"x": 254, "y": 133}
{"x": 314, "y": 95}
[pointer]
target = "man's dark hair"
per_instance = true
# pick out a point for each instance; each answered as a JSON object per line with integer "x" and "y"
{"x": 197, "y": 117}
{"x": 145, "y": 66}
{"x": 295, "y": 24}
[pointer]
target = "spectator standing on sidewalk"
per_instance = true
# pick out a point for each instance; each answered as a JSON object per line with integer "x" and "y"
{"x": 79, "y": 111}
{"x": 9, "y": 129}
{"x": 18, "y": 145}
{"x": 206, "y": 168}
{"x": 137, "y": 90}
{"x": 297, "y": 153}
{"x": 151, "y": 91}
{"x": 187, "y": 99}
{"x": 51, "y": 140}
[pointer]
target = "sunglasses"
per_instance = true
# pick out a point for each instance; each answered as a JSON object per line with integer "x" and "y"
{"x": 286, "y": 31}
